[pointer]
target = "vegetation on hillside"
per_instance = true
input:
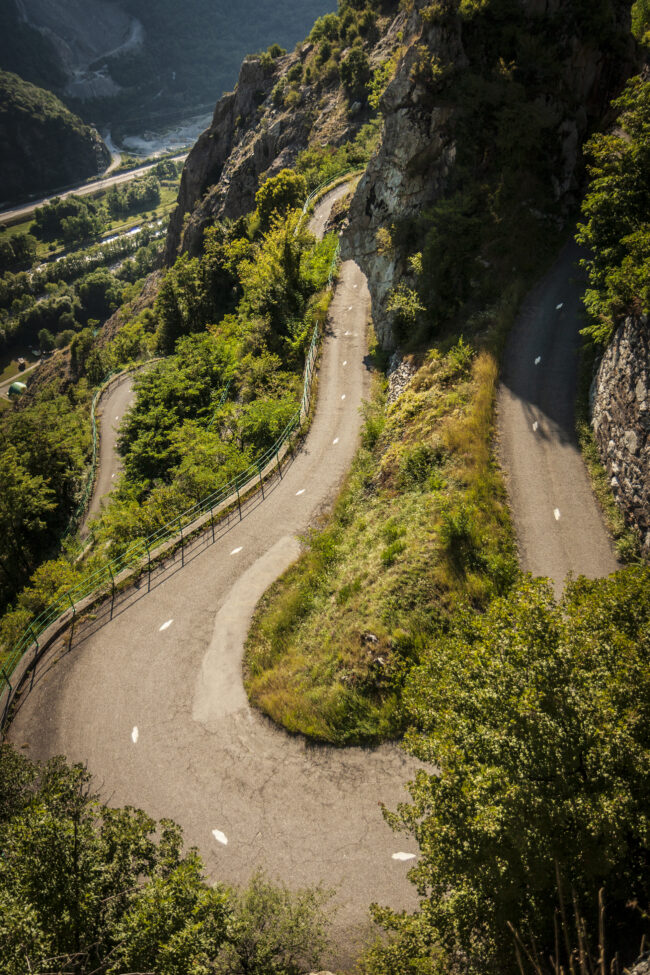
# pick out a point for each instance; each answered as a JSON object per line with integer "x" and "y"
{"x": 50, "y": 146}
{"x": 616, "y": 213}
{"x": 86, "y": 888}
{"x": 536, "y": 718}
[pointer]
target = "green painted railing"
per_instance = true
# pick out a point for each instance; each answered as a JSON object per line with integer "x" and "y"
{"x": 102, "y": 582}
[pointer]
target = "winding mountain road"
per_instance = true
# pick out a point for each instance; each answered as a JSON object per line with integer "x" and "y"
{"x": 149, "y": 694}
{"x": 559, "y": 525}
{"x": 112, "y": 406}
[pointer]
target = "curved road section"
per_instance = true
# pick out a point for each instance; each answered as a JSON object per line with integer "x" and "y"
{"x": 153, "y": 702}
{"x": 559, "y": 525}
{"x": 113, "y": 405}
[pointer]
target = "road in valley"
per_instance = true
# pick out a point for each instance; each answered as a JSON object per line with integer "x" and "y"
{"x": 150, "y": 694}
{"x": 559, "y": 525}
{"x": 21, "y": 213}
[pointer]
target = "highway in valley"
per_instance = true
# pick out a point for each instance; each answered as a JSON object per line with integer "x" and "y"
{"x": 21, "y": 213}
{"x": 149, "y": 693}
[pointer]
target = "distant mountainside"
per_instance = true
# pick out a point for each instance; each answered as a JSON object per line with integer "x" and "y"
{"x": 141, "y": 64}
{"x": 49, "y": 146}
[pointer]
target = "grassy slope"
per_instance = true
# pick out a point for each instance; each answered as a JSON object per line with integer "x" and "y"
{"x": 420, "y": 527}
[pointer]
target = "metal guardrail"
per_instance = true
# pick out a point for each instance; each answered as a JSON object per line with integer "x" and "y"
{"x": 139, "y": 555}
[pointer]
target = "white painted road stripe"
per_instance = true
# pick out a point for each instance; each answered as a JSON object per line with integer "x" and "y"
{"x": 558, "y": 307}
{"x": 557, "y": 514}
{"x": 345, "y": 362}
{"x": 403, "y": 856}
{"x": 298, "y": 493}
{"x": 343, "y": 397}
{"x": 335, "y": 441}
{"x": 135, "y": 734}
{"x": 165, "y": 626}
{"x": 538, "y": 360}
{"x": 220, "y": 837}
{"x": 535, "y": 426}
{"x": 236, "y": 551}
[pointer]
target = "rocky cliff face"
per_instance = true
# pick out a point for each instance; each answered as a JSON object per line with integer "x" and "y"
{"x": 621, "y": 421}
{"x": 254, "y": 133}
{"x": 416, "y": 163}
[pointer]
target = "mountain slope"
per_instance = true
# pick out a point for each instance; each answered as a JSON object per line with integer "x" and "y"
{"x": 50, "y": 147}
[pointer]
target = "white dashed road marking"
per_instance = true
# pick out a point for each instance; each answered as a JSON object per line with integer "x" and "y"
{"x": 236, "y": 551}
{"x": 560, "y": 306}
{"x": 350, "y": 308}
{"x": 538, "y": 360}
{"x": 403, "y": 856}
{"x": 343, "y": 397}
{"x": 557, "y": 514}
{"x": 535, "y": 426}
{"x": 220, "y": 837}
{"x": 166, "y": 625}
{"x": 335, "y": 441}
{"x": 345, "y": 362}
{"x": 135, "y": 734}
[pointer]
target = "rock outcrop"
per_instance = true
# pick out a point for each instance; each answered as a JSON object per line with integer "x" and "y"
{"x": 416, "y": 162}
{"x": 621, "y": 421}
{"x": 254, "y": 133}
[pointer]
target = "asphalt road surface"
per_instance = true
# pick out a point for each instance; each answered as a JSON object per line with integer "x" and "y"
{"x": 558, "y": 522}
{"x": 149, "y": 694}
{"x": 18, "y": 214}
{"x": 113, "y": 405}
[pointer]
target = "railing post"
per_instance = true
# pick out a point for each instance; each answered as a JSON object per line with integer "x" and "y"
{"x": 277, "y": 457}
{"x": 4, "y": 674}
{"x": 259, "y": 471}
{"x": 148, "y": 565}
{"x": 239, "y": 502}
{"x": 74, "y": 611}
{"x": 110, "y": 572}
{"x": 34, "y": 637}
{"x": 212, "y": 523}
{"x": 180, "y": 526}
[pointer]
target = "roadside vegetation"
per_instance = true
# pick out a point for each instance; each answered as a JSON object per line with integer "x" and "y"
{"x": 233, "y": 327}
{"x": 86, "y": 888}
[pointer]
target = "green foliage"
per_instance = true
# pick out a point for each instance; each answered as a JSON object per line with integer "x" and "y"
{"x": 72, "y": 220}
{"x": 278, "y": 195}
{"x": 43, "y": 451}
{"x": 641, "y": 20}
{"x": 616, "y": 213}
{"x": 137, "y": 196}
{"x": 535, "y": 715}
{"x": 17, "y": 252}
{"x": 356, "y": 73}
{"x": 87, "y": 888}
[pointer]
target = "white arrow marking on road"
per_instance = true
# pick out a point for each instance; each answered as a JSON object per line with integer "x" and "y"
{"x": 298, "y": 493}
{"x": 403, "y": 856}
{"x": 535, "y": 426}
{"x": 135, "y": 734}
{"x": 538, "y": 360}
{"x": 560, "y": 306}
{"x": 335, "y": 441}
{"x": 220, "y": 837}
{"x": 165, "y": 626}
{"x": 236, "y": 551}
{"x": 557, "y": 514}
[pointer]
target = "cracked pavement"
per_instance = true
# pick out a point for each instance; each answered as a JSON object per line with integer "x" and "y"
{"x": 305, "y": 813}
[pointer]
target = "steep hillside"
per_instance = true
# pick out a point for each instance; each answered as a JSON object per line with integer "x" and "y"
{"x": 133, "y": 65}
{"x": 50, "y": 147}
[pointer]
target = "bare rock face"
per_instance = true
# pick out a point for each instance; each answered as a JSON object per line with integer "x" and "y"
{"x": 415, "y": 164}
{"x": 621, "y": 421}
{"x": 253, "y": 135}
{"x": 249, "y": 136}
{"x": 408, "y": 173}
